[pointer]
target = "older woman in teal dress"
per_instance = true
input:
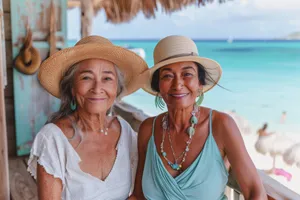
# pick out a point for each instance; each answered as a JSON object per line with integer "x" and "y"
{"x": 182, "y": 153}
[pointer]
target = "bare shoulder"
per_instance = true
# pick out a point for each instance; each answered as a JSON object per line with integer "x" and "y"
{"x": 65, "y": 126}
{"x": 223, "y": 124}
{"x": 222, "y": 118}
{"x": 145, "y": 130}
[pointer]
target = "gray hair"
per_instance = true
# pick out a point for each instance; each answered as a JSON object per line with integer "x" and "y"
{"x": 66, "y": 97}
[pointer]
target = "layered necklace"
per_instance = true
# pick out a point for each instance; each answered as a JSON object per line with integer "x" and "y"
{"x": 190, "y": 131}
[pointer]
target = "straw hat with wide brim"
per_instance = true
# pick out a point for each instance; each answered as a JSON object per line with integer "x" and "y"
{"x": 92, "y": 47}
{"x": 173, "y": 49}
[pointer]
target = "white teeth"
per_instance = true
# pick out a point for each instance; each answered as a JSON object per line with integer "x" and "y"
{"x": 178, "y": 95}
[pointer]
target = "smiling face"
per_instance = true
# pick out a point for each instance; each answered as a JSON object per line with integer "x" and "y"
{"x": 179, "y": 84}
{"x": 95, "y": 85}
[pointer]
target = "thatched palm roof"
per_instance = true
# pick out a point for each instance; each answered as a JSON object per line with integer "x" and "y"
{"x": 118, "y": 11}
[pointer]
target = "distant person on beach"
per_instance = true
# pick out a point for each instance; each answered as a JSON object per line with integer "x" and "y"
{"x": 283, "y": 117}
{"x": 83, "y": 152}
{"x": 183, "y": 152}
{"x": 263, "y": 131}
{"x": 264, "y": 139}
{"x": 264, "y": 145}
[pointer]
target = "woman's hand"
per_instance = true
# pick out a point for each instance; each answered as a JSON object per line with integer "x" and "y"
{"x": 49, "y": 188}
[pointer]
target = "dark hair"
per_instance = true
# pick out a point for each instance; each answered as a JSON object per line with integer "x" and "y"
{"x": 265, "y": 126}
{"x": 203, "y": 77}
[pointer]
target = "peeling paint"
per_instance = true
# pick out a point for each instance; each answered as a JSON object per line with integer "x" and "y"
{"x": 33, "y": 104}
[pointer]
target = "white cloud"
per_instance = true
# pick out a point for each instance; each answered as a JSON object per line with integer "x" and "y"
{"x": 294, "y": 23}
{"x": 277, "y": 4}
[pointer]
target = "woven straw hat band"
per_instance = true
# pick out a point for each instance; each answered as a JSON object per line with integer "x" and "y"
{"x": 174, "y": 46}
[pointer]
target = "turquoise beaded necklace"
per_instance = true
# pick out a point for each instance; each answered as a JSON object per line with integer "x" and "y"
{"x": 190, "y": 131}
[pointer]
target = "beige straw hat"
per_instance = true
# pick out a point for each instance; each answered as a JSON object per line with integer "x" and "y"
{"x": 174, "y": 49}
{"x": 91, "y": 47}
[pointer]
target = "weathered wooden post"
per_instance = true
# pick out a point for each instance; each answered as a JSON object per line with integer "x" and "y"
{"x": 4, "y": 182}
{"x": 87, "y": 15}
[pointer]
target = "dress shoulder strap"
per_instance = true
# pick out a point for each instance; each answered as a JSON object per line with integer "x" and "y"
{"x": 153, "y": 125}
{"x": 210, "y": 121}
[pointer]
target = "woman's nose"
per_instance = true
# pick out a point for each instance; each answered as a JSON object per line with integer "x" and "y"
{"x": 97, "y": 87}
{"x": 177, "y": 83}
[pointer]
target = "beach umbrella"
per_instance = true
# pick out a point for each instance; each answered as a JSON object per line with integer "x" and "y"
{"x": 242, "y": 123}
{"x": 292, "y": 155}
{"x": 274, "y": 145}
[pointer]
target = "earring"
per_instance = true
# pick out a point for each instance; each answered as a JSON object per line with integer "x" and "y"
{"x": 159, "y": 102}
{"x": 73, "y": 105}
{"x": 200, "y": 98}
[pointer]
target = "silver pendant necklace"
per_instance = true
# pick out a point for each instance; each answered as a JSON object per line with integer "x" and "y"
{"x": 190, "y": 131}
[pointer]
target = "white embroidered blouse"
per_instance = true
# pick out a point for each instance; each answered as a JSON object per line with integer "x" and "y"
{"x": 53, "y": 151}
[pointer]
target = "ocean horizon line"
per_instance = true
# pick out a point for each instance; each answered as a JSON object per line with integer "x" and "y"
{"x": 203, "y": 40}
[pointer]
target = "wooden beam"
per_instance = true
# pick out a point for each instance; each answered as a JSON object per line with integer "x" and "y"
{"x": 74, "y": 4}
{"x": 6, "y": 5}
{"x": 4, "y": 181}
{"x": 7, "y": 26}
{"x": 87, "y": 16}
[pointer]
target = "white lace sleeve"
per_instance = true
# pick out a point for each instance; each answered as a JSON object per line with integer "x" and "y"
{"x": 46, "y": 151}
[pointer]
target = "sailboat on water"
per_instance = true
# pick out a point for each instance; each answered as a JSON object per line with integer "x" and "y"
{"x": 230, "y": 39}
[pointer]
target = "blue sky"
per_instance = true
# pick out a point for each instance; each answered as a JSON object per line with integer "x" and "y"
{"x": 248, "y": 19}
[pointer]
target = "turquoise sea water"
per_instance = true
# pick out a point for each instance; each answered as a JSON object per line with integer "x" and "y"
{"x": 263, "y": 78}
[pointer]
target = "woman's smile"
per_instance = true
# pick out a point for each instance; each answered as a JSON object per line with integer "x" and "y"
{"x": 96, "y": 99}
{"x": 179, "y": 95}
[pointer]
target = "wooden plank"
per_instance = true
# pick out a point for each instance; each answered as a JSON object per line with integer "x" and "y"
{"x": 6, "y": 5}
{"x": 4, "y": 181}
{"x": 73, "y": 4}
{"x": 7, "y": 25}
{"x": 10, "y": 127}
{"x": 8, "y": 51}
{"x": 32, "y": 104}
{"x": 9, "y": 109}
{"x": 11, "y": 138}
{"x": 9, "y": 87}
{"x": 21, "y": 184}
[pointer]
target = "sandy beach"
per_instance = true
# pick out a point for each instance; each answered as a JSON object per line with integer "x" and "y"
{"x": 264, "y": 162}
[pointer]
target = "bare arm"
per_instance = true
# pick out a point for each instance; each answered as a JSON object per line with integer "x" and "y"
{"x": 144, "y": 135}
{"x": 49, "y": 188}
{"x": 242, "y": 165}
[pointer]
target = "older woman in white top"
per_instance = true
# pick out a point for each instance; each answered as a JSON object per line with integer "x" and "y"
{"x": 83, "y": 153}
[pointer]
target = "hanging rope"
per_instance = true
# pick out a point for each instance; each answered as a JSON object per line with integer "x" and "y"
{"x": 28, "y": 61}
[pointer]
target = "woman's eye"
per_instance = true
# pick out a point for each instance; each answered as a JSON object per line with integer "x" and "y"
{"x": 107, "y": 79}
{"x": 86, "y": 78}
{"x": 188, "y": 74}
{"x": 167, "y": 76}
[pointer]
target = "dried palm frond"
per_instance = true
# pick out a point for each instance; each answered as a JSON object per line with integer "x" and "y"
{"x": 118, "y": 11}
{"x": 149, "y": 7}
